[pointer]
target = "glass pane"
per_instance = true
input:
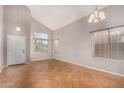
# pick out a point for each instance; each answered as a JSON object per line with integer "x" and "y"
{"x": 101, "y": 44}
{"x": 109, "y": 44}
{"x": 41, "y": 42}
{"x": 41, "y": 35}
{"x": 117, "y": 44}
{"x": 45, "y": 42}
{"x": 41, "y": 45}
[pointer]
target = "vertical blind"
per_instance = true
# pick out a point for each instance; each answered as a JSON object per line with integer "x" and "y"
{"x": 109, "y": 43}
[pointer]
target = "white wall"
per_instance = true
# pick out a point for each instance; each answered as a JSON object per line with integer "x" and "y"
{"x": 1, "y": 36}
{"x": 28, "y": 24}
{"x": 10, "y": 22}
{"x": 38, "y": 27}
{"x": 74, "y": 43}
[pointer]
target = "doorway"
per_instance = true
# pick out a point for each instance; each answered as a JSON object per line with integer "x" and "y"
{"x": 16, "y": 49}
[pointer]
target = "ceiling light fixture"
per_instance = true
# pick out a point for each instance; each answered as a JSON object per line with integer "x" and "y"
{"x": 97, "y": 16}
{"x": 18, "y": 27}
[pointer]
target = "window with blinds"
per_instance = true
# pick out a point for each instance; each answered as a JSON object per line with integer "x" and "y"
{"x": 109, "y": 43}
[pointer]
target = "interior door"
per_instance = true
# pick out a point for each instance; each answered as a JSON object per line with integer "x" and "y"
{"x": 16, "y": 49}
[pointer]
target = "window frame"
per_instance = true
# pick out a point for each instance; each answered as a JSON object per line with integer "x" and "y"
{"x": 42, "y": 39}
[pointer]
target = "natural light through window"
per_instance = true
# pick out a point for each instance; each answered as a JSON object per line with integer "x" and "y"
{"x": 109, "y": 43}
{"x": 41, "y": 42}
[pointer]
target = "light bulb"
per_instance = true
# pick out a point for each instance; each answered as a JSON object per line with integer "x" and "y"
{"x": 95, "y": 20}
{"x": 97, "y": 16}
{"x": 102, "y": 15}
{"x": 91, "y": 18}
{"x": 18, "y": 28}
{"x": 102, "y": 18}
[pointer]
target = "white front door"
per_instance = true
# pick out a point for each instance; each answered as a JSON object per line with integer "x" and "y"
{"x": 16, "y": 50}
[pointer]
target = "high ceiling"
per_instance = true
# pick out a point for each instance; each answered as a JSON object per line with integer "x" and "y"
{"x": 57, "y": 16}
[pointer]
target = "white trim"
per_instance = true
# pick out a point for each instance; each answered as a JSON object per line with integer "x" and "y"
{"x": 5, "y": 66}
{"x": 61, "y": 59}
{"x": 107, "y": 59}
{"x": 36, "y": 59}
{"x": 1, "y": 38}
{"x": 24, "y": 37}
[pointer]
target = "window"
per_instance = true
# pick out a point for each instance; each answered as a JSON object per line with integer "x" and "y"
{"x": 109, "y": 44}
{"x": 41, "y": 42}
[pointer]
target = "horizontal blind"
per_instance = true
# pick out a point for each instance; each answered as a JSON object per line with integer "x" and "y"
{"x": 109, "y": 43}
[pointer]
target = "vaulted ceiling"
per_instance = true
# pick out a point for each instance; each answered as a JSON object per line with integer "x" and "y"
{"x": 57, "y": 16}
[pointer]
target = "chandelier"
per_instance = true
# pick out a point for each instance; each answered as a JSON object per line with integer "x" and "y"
{"x": 97, "y": 16}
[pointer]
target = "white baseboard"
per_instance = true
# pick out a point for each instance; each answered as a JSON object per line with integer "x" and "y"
{"x": 61, "y": 59}
{"x": 32, "y": 60}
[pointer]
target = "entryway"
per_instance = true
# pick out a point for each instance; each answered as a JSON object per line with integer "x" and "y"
{"x": 16, "y": 49}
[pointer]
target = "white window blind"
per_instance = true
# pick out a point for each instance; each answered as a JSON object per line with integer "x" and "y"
{"x": 109, "y": 43}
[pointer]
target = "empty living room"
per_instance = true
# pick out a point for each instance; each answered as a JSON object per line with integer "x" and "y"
{"x": 61, "y": 46}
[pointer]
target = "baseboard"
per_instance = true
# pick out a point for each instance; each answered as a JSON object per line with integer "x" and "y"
{"x": 28, "y": 63}
{"x": 5, "y": 66}
{"x": 40, "y": 59}
{"x": 117, "y": 74}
